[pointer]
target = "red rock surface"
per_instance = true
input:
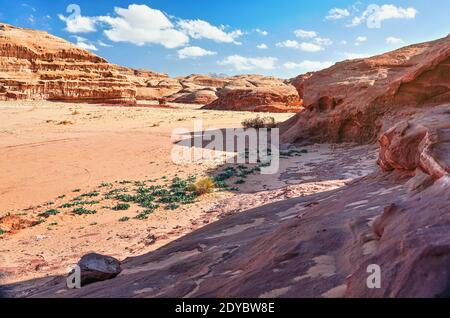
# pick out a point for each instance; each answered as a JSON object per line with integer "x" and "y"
{"x": 257, "y": 93}
{"x": 35, "y": 65}
{"x": 355, "y": 100}
{"x": 38, "y": 66}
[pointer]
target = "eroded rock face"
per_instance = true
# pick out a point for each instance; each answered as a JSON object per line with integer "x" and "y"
{"x": 257, "y": 93}
{"x": 35, "y": 65}
{"x": 355, "y": 100}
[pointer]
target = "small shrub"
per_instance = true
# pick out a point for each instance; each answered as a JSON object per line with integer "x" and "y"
{"x": 82, "y": 211}
{"x": 47, "y": 213}
{"x": 204, "y": 186}
{"x": 124, "y": 219}
{"x": 2, "y": 232}
{"x": 121, "y": 207}
{"x": 259, "y": 122}
{"x": 172, "y": 206}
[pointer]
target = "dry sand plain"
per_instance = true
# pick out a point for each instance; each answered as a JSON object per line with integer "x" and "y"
{"x": 51, "y": 153}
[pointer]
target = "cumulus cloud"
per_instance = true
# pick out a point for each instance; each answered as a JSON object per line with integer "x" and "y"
{"x": 308, "y": 66}
{"x": 262, "y": 46}
{"x": 193, "y": 52}
{"x": 305, "y": 34}
{"x": 374, "y": 15}
{"x": 140, "y": 24}
{"x": 84, "y": 43}
{"x": 101, "y": 43}
{"x": 199, "y": 29}
{"x": 323, "y": 41}
{"x": 304, "y": 46}
{"x": 394, "y": 40}
{"x": 78, "y": 24}
{"x": 360, "y": 40}
{"x": 337, "y": 14}
{"x": 242, "y": 63}
{"x": 262, "y": 32}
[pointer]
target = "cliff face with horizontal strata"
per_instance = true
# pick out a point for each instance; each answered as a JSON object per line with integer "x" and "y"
{"x": 35, "y": 65}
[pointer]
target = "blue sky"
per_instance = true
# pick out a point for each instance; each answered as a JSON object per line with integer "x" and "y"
{"x": 282, "y": 38}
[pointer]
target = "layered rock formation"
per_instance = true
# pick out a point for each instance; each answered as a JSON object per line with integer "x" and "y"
{"x": 355, "y": 100}
{"x": 35, "y": 65}
{"x": 257, "y": 93}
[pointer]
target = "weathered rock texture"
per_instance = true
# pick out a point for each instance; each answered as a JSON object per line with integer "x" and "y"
{"x": 322, "y": 245}
{"x": 257, "y": 93}
{"x": 355, "y": 100}
{"x": 38, "y": 66}
{"x": 35, "y": 65}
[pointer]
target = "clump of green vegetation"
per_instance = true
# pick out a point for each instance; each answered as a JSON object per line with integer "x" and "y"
{"x": 90, "y": 194}
{"x": 93, "y": 223}
{"x": 121, "y": 207}
{"x": 48, "y": 213}
{"x": 144, "y": 214}
{"x": 83, "y": 211}
{"x": 259, "y": 122}
{"x": 240, "y": 181}
{"x": 62, "y": 196}
{"x": 53, "y": 224}
{"x": 105, "y": 184}
{"x": 77, "y": 190}
{"x": 204, "y": 186}
{"x": 124, "y": 219}
{"x": 2, "y": 232}
{"x": 78, "y": 203}
{"x": 172, "y": 206}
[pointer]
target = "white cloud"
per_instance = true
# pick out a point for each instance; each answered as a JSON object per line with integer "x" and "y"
{"x": 308, "y": 66}
{"x": 323, "y": 41}
{"x": 374, "y": 15}
{"x": 84, "y": 43}
{"x": 360, "y": 40}
{"x": 199, "y": 29}
{"x": 394, "y": 40}
{"x": 305, "y": 34}
{"x": 101, "y": 43}
{"x": 140, "y": 24}
{"x": 304, "y": 46}
{"x": 193, "y": 52}
{"x": 242, "y": 63}
{"x": 262, "y": 46}
{"x": 262, "y": 32}
{"x": 337, "y": 14}
{"x": 78, "y": 23}
{"x": 344, "y": 42}
{"x": 351, "y": 56}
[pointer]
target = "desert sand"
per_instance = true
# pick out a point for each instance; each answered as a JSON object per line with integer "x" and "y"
{"x": 50, "y": 150}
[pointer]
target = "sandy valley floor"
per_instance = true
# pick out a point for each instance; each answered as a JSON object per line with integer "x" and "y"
{"x": 51, "y": 153}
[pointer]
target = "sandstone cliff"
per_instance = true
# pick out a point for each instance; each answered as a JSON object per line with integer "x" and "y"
{"x": 257, "y": 93}
{"x": 355, "y": 100}
{"x": 35, "y": 65}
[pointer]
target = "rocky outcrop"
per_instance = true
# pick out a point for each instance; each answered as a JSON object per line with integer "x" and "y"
{"x": 258, "y": 94}
{"x": 35, "y": 65}
{"x": 356, "y": 100}
{"x": 96, "y": 268}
